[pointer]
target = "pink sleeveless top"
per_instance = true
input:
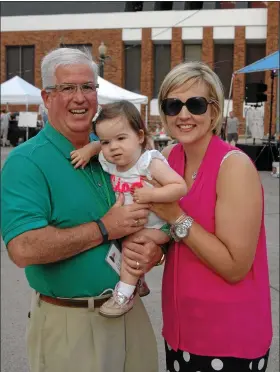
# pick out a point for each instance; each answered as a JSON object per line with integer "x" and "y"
{"x": 202, "y": 313}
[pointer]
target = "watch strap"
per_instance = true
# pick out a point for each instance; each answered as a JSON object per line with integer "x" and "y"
{"x": 103, "y": 231}
{"x": 183, "y": 220}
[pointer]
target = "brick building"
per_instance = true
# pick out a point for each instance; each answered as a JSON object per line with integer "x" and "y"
{"x": 144, "y": 40}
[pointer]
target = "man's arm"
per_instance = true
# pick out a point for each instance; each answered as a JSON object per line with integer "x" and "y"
{"x": 26, "y": 212}
{"x": 50, "y": 244}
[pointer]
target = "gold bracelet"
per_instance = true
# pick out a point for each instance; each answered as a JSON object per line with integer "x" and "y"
{"x": 161, "y": 261}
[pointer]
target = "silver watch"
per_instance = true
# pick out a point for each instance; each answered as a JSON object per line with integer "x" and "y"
{"x": 180, "y": 229}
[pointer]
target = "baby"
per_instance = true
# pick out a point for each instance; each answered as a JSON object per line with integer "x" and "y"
{"x": 123, "y": 138}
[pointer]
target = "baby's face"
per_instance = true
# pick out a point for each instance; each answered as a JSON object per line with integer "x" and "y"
{"x": 120, "y": 144}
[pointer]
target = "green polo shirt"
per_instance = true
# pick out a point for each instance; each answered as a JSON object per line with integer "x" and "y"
{"x": 40, "y": 187}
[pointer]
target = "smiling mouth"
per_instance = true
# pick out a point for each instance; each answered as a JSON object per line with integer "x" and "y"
{"x": 79, "y": 112}
{"x": 186, "y": 126}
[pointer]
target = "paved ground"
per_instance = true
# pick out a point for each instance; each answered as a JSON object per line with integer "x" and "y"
{"x": 15, "y": 293}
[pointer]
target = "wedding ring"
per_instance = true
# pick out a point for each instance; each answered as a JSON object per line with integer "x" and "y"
{"x": 137, "y": 222}
{"x": 137, "y": 265}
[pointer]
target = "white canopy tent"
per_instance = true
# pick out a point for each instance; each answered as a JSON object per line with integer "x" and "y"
{"x": 108, "y": 92}
{"x": 17, "y": 91}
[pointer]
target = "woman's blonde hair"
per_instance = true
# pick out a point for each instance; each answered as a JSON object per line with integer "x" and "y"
{"x": 195, "y": 72}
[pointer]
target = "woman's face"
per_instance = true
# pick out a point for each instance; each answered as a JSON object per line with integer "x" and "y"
{"x": 188, "y": 128}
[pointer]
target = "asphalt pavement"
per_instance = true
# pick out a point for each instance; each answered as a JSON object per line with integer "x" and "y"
{"x": 15, "y": 293}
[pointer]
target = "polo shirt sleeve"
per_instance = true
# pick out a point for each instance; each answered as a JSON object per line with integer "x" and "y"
{"x": 93, "y": 137}
{"x": 25, "y": 197}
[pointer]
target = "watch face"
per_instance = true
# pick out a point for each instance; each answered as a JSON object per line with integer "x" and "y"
{"x": 181, "y": 231}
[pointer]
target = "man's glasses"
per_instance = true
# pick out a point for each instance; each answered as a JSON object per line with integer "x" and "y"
{"x": 195, "y": 105}
{"x": 70, "y": 89}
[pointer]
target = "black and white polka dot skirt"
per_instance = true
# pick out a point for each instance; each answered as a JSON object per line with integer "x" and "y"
{"x": 181, "y": 361}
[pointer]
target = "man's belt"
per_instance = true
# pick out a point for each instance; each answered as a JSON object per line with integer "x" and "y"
{"x": 72, "y": 302}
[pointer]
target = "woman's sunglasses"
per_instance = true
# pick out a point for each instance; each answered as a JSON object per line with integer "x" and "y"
{"x": 195, "y": 105}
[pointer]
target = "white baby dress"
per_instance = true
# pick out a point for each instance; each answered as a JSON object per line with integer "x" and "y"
{"x": 123, "y": 182}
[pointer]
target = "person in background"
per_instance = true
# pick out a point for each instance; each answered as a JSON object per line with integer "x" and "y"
{"x": 215, "y": 291}
{"x": 232, "y": 128}
{"x": 5, "y": 123}
{"x": 61, "y": 224}
{"x": 43, "y": 112}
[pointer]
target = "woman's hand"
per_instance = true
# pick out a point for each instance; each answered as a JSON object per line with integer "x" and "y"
{"x": 169, "y": 212}
{"x": 142, "y": 195}
{"x": 142, "y": 250}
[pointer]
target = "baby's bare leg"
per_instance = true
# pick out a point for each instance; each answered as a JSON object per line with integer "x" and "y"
{"x": 126, "y": 277}
{"x": 158, "y": 236}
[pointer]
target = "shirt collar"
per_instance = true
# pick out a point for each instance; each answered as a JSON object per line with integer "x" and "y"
{"x": 58, "y": 140}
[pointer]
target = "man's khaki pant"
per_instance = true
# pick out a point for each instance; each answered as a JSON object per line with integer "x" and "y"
{"x": 63, "y": 339}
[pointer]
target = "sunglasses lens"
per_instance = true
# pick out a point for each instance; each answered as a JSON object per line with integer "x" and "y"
{"x": 197, "y": 105}
{"x": 171, "y": 107}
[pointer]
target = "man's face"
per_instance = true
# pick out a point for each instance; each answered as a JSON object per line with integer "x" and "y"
{"x": 231, "y": 114}
{"x": 72, "y": 113}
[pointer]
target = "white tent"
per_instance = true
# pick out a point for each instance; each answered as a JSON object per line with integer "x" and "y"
{"x": 109, "y": 92}
{"x": 17, "y": 91}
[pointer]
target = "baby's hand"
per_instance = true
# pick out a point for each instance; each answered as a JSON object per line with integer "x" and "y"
{"x": 80, "y": 158}
{"x": 143, "y": 195}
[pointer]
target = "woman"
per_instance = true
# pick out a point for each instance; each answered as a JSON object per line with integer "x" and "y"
{"x": 215, "y": 292}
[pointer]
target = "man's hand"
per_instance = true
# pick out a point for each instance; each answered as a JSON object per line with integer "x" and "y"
{"x": 142, "y": 250}
{"x": 122, "y": 220}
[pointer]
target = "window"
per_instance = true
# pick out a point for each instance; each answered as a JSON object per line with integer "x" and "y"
{"x": 82, "y": 47}
{"x": 162, "y": 65}
{"x": 164, "y": 5}
{"x": 134, "y": 6}
{"x": 193, "y": 5}
{"x": 132, "y": 67}
{"x": 254, "y": 52}
{"x": 192, "y": 52}
{"x": 20, "y": 62}
{"x": 223, "y": 57}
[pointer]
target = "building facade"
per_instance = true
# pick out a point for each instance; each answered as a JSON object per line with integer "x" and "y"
{"x": 144, "y": 40}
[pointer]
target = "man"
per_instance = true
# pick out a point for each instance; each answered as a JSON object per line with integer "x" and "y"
{"x": 61, "y": 224}
{"x": 232, "y": 128}
{"x": 5, "y": 122}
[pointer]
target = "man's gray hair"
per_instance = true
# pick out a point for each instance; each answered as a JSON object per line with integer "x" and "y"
{"x": 65, "y": 57}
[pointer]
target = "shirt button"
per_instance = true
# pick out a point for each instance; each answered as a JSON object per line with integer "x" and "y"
{"x": 99, "y": 184}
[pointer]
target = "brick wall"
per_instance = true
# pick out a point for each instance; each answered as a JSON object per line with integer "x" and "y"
{"x": 208, "y": 46}
{"x": 239, "y": 61}
{"x": 147, "y": 67}
{"x": 176, "y": 47}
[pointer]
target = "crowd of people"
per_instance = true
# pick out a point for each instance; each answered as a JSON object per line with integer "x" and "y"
{"x": 87, "y": 219}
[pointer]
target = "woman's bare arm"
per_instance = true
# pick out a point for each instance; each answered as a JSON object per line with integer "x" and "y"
{"x": 231, "y": 251}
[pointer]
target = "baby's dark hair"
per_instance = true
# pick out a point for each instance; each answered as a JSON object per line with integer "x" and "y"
{"x": 128, "y": 111}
